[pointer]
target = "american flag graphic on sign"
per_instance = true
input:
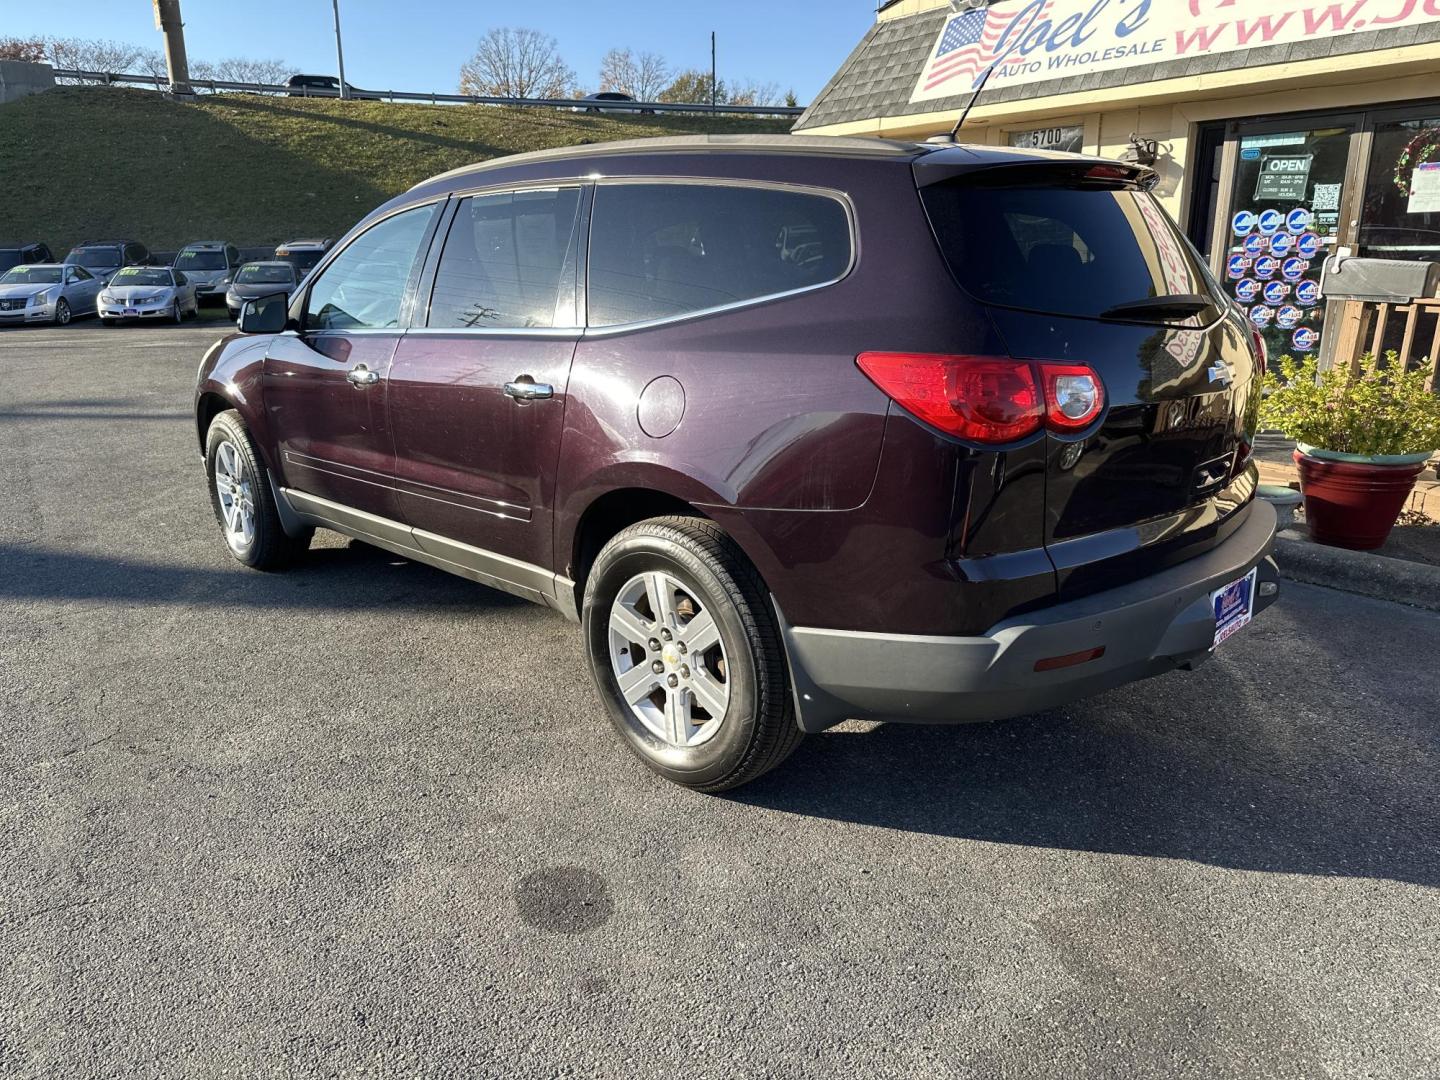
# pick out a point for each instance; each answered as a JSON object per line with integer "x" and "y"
{"x": 968, "y": 46}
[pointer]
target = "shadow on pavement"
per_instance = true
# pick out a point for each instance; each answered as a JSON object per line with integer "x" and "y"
{"x": 350, "y": 578}
{"x": 1145, "y": 771}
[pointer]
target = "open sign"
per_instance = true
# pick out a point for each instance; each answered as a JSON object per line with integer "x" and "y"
{"x": 1284, "y": 177}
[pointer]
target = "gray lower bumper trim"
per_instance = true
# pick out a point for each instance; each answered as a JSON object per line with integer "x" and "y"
{"x": 1147, "y": 627}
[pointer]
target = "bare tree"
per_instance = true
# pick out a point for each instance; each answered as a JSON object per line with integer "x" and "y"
{"x": 92, "y": 54}
{"x": 517, "y": 63}
{"x": 29, "y": 50}
{"x": 753, "y": 93}
{"x": 643, "y": 77}
{"x": 245, "y": 69}
{"x": 693, "y": 86}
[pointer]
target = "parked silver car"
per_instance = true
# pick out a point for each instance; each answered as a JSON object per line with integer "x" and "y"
{"x": 46, "y": 293}
{"x": 148, "y": 292}
{"x": 210, "y": 265}
{"x": 257, "y": 279}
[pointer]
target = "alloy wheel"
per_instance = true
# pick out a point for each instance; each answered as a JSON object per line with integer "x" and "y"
{"x": 237, "y": 504}
{"x": 668, "y": 659}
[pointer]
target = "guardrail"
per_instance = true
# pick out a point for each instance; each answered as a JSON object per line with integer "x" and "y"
{"x": 159, "y": 82}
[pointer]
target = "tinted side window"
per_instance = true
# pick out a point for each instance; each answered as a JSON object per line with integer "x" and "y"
{"x": 505, "y": 262}
{"x": 364, "y": 287}
{"x": 660, "y": 250}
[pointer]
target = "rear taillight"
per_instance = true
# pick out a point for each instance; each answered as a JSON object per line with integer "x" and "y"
{"x": 1257, "y": 346}
{"x": 1073, "y": 396}
{"x": 988, "y": 399}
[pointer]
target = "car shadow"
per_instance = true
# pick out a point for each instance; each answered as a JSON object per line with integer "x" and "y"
{"x": 1206, "y": 771}
{"x": 354, "y": 577}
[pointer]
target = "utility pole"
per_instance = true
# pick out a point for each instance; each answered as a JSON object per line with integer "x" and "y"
{"x": 340, "y": 52}
{"x": 713, "y": 85}
{"x": 167, "y": 21}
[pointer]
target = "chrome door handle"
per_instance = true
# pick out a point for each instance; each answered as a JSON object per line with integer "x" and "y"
{"x": 525, "y": 390}
{"x": 360, "y": 375}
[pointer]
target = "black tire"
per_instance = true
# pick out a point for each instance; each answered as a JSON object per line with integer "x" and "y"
{"x": 758, "y": 730}
{"x": 270, "y": 548}
{"x": 62, "y": 312}
{"x": 178, "y": 314}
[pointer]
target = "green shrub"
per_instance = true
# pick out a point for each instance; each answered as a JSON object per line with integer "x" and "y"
{"x": 1377, "y": 410}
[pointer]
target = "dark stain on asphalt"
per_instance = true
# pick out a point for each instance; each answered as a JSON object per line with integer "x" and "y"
{"x": 564, "y": 900}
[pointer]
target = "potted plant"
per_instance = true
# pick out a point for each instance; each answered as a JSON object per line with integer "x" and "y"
{"x": 1362, "y": 438}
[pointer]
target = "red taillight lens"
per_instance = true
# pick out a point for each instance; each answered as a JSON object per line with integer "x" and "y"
{"x": 981, "y": 398}
{"x": 1257, "y": 342}
{"x": 987, "y": 399}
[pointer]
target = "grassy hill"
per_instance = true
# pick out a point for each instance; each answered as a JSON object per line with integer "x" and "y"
{"x": 102, "y": 161}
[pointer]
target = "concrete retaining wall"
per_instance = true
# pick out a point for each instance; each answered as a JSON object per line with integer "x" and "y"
{"x": 19, "y": 79}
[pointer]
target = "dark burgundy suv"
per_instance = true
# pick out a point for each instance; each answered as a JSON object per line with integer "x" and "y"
{"x": 799, "y": 429}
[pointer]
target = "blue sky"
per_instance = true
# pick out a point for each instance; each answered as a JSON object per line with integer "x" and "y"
{"x": 420, "y": 44}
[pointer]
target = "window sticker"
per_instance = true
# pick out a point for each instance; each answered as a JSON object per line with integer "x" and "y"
{"x": 1327, "y": 197}
{"x": 1276, "y": 292}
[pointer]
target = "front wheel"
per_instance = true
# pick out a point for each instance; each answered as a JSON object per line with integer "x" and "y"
{"x": 684, "y": 651}
{"x": 62, "y": 312}
{"x": 242, "y": 500}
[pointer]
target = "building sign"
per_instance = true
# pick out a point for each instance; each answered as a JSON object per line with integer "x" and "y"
{"x": 1284, "y": 177}
{"x": 1069, "y": 139}
{"x": 1031, "y": 41}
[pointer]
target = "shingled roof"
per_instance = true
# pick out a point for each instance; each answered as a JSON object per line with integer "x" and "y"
{"x": 879, "y": 76}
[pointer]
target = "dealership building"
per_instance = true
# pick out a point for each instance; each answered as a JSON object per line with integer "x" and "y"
{"x": 1282, "y": 130}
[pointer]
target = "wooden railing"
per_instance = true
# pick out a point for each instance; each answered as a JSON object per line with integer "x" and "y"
{"x": 1375, "y": 328}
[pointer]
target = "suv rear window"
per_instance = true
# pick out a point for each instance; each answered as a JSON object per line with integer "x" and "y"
{"x": 662, "y": 250}
{"x": 1063, "y": 250}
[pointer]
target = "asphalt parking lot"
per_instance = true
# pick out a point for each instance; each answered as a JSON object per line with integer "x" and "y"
{"x": 368, "y": 819}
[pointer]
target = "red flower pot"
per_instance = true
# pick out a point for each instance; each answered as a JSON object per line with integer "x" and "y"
{"x": 1353, "y": 504}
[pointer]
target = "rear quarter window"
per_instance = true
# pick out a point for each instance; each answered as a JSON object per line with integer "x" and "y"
{"x": 1063, "y": 250}
{"x": 665, "y": 250}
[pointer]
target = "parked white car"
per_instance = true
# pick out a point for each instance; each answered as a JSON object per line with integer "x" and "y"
{"x": 46, "y": 293}
{"x": 148, "y": 292}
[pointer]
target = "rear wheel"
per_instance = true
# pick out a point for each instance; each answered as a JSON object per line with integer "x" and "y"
{"x": 685, "y": 652}
{"x": 242, "y": 500}
{"x": 62, "y": 312}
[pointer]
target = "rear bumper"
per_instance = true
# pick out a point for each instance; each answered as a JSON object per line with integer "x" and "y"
{"x": 1146, "y": 628}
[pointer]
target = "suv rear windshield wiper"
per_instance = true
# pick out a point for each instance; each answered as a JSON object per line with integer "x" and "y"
{"x": 1181, "y": 306}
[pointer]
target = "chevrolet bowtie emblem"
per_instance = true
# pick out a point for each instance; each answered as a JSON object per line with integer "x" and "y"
{"x": 1221, "y": 373}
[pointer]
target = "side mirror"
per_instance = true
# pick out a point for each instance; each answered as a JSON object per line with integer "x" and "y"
{"x": 265, "y": 314}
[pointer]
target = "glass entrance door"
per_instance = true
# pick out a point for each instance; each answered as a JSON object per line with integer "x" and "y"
{"x": 1288, "y": 211}
{"x": 1401, "y": 219}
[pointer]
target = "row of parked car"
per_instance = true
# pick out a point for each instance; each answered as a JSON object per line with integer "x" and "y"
{"x": 122, "y": 280}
